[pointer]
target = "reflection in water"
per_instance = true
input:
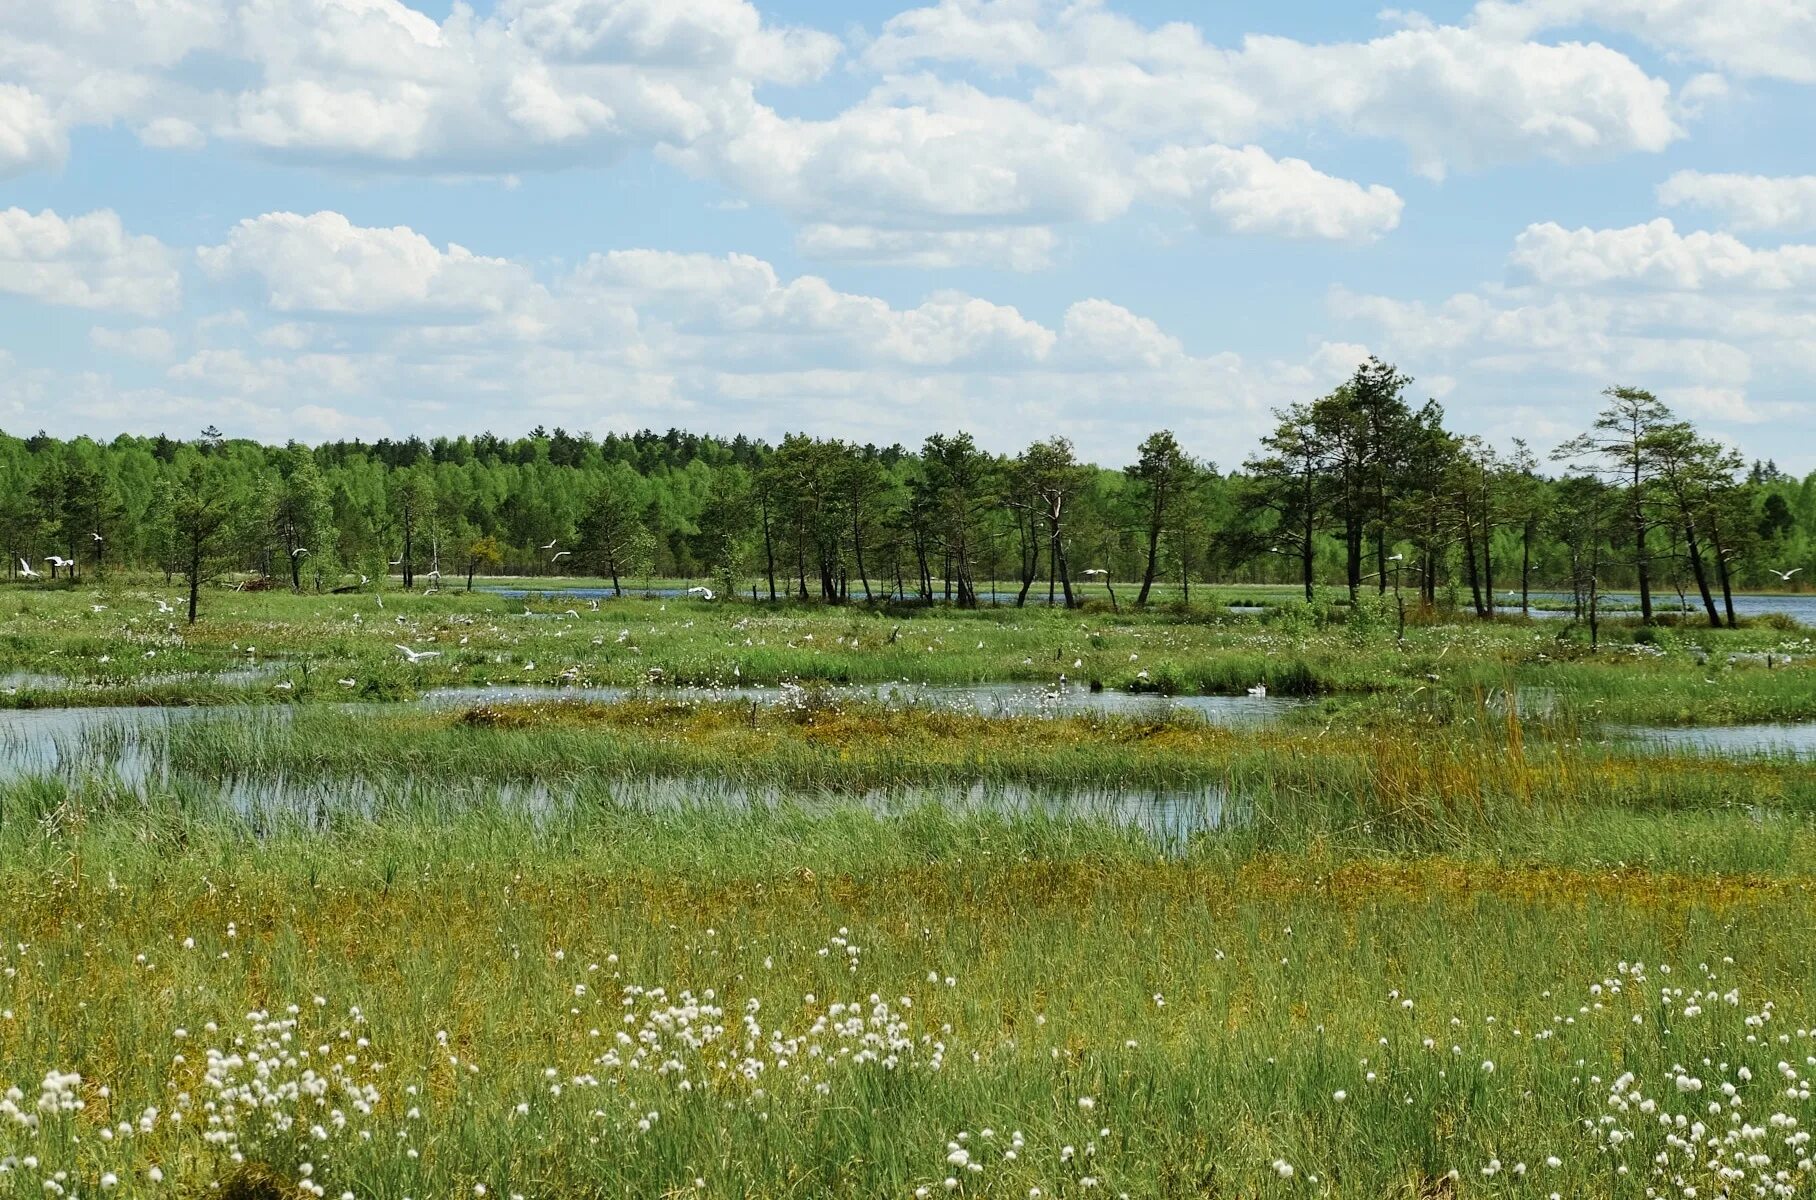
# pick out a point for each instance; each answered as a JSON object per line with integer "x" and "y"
{"x": 1800, "y": 607}
{"x": 983, "y": 699}
{"x": 127, "y": 748}
{"x": 1730, "y": 741}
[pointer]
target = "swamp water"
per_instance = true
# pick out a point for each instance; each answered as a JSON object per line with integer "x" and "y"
{"x": 126, "y": 748}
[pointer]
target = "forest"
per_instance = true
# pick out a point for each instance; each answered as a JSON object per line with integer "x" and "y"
{"x": 1356, "y": 489}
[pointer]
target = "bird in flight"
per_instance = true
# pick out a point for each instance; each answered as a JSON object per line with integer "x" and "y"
{"x": 417, "y": 656}
{"x": 164, "y": 607}
{"x": 1096, "y": 571}
{"x": 26, "y": 569}
{"x": 558, "y": 555}
{"x": 1784, "y": 576}
{"x": 705, "y": 593}
{"x": 97, "y": 537}
{"x": 398, "y": 561}
{"x": 299, "y": 552}
{"x": 551, "y": 544}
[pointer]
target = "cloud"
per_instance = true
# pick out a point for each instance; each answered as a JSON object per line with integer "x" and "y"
{"x": 86, "y": 262}
{"x": 147, "y": 343}
{"x": 1023, "y": 248}
{"x": 324, "y": 263}
{"x": 736, "y": 308}
{"x": 1250, "y": 191}
{"x": 706, "y": 34}
{"x": 379, "y": 84}
{"x": 1783, "y": 204}
{"x": 1767, "y": 38}
{"x": 1656, "y": 254}
{"x": 172, "y": 133}
{"x": 924, "y": 153}
{"x": 1101, "y": 335}
{"x": 1455, "y": 96}
{"x": 30, "y": 136}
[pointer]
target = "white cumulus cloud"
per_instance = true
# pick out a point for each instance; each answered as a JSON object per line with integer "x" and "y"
{"x": 1251, "y": 191}
{"x": 325, "y": 263}
{"x": 1778, "y": 204}
{"x": 30, "y": 135}
{"x": 1656, "y": 254}
{"x": 88, "y": 261}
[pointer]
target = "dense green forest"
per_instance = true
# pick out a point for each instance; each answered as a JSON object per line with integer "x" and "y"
{"x": 1358, "y": 488}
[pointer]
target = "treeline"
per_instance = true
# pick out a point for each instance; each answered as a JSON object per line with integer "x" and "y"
{"x": 1358, "y": 488}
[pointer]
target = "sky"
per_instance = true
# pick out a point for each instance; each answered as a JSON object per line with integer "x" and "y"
{"x": 319, "y": 219}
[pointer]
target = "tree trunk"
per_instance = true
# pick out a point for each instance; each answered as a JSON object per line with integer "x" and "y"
{"x": 857, "y": 549}
{"x": 195, "y": 578}
{"x": 1702, "y": 575}
{"x": 1475, "y": 578}
{"x": 1306, "y": 552}
{"x": 1488, "y": 552}
{"x": 1147, "y": 576}
{"x": 1722, "y": 573}
{"x": 1352, "y": 555}
{"x": 1030, "y": 557}
{"x": 769, "y": 550}
{"x": 1526, "y": 569}
{"x": 1641, "y": 565}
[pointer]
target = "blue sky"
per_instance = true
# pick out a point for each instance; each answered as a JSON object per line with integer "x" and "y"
{"x": 324, "y": 218}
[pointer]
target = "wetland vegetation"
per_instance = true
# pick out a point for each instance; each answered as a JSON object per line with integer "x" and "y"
{"x": 1222, "y": 890}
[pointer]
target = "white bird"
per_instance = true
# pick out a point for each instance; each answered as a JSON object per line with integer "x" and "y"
{"x": 1259, "y": 691}
{"x": 381, "y": 601}
{"x": 1096, "y": 571}
{"x": 58, "y": 561}
{"x": 559, "y": 555}
{"x": 551, "y": 544}
{"x": 299, "y": 552}
{"x": 417, "y": 656}
{"x": 26, "y": 569}
{"x": 1784, "y": 576}
{"x": 363, "y": 581}
{"x": 347, "y": 683}
{"x": 164, "y": 607}
{"x": 97, "y": 608}
{"x": 705, "y": 593}
{"x": 398, "y": 561}
{"x": 97, "y": 537}
{"x": 285, "y": 686}
{"x": 573, "y": 614}
{"x": 432, "y": 575}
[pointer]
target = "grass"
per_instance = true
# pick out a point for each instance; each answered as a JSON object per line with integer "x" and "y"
{"x": 55, "y": 649}
{"x": 1427, "y": 935}
{"x": 1210, "y": 1009}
